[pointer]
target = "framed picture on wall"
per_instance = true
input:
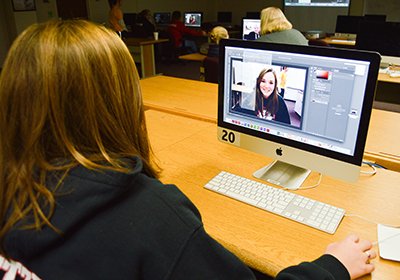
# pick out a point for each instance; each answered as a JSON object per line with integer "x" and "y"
{"x": 23, "y": 5}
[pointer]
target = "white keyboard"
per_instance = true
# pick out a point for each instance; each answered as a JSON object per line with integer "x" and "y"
{"x": 301, "y": 209}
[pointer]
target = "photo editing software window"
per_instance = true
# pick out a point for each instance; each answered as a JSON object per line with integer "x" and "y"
{"x": 323, "y": 96}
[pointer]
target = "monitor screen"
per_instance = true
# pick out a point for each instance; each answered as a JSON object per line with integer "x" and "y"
{"x": 224, "y": 17}
{"x": 306, "y": 106}
{"x": 382, "y": 37}
{"x": 318, "y": 3}
{"x": 253, "y": 15}
{"x": 162, "y": 18}
{"x": 373, "y": 17}
{"x": 193, "y": 19}
{"x": 348, "y": 24}
{"x": 250, "y": 29}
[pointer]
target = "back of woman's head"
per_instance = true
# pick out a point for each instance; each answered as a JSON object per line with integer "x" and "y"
{"x": 176, "y": 15}
{"x": 218, "y": 33}
{"x": 69, "y": 95}
{"x": 273, "y": 20}
{"x": 72, "y": 89}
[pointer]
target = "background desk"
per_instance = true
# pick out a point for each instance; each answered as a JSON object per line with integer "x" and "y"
{"x": 199, "y": 100}
{"x": 142, "y": 50}
{"x": 190, "y": 155}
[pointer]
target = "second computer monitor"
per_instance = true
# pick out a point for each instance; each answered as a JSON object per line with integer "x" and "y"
{"x": 382, "y": 37}
{"x": 348, "y": 24}
{"x": 193, "y": 19}
{"x": 224, "y": 17}
{"x": 162, "y": 18}
{"x": 250, "y": 29}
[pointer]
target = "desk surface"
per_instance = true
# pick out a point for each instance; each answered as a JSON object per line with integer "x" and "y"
{"x": 143, "y": 41}
{"x": 190, "y": 155}
{"x": 181, "y": 96}
{"x": 193, "y": 57}
{"x": 339, "y": 42}
{"x": 198, "y": 100}
{"x": 382, "y": 77}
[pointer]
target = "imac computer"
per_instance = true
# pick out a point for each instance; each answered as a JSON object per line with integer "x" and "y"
{"x": 224, "y": 17}
{"x": 382, "y": 37}
{"x": 193, "y": 19}
{"x": 250, "y": 28}
{"x": 348, "y": 24}
{"x": 306, "y": 107}
{"x": 162, "y": 18}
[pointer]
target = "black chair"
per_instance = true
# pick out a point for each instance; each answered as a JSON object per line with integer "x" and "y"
{"x": 168, "y": 51}
{"x": 211, "y": 65}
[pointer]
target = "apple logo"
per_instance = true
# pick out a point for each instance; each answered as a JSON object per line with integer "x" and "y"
{"x": 279, "y": 151}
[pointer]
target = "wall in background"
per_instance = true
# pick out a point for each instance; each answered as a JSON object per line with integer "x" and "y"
{"x": 390, "y": 8}
{"x": 12, "y": 23}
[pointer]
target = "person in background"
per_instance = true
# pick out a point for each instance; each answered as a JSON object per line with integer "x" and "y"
{"x": 269, "y": 104}
{"x": 145, "y": 24}
{"x": 116, "y": 16}
{"x": 212, "y": 47}
{"x": 178, "y": 30}
{"x": 275, "y": 28}
{"x": 80, "y": 196}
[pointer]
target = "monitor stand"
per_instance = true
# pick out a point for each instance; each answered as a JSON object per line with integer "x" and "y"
{"x": 283, "y": 174}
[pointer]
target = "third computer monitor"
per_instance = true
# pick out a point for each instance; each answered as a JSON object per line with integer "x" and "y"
{"x": 305, "y": 106}
{"x": 193, "y": 19}
{"x": 250, "y": 28}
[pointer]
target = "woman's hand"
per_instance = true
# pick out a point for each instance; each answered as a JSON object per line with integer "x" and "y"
{"x": 354, "y": 254}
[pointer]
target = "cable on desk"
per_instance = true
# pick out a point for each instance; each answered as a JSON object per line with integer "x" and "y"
{"x": 373, "y": 167}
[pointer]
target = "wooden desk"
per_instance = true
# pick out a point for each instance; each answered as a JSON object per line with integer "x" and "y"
{"x": 190, "y": 155}
{"x": 181, "y": 96}
{"x": 382, "y": 77}
{"x": 339, "y": 42}
{"x": 193, "y": 57}
{"x": 382, "y": 141}
{"x": 199, "y": 100}
{"x": 142, "y": 50}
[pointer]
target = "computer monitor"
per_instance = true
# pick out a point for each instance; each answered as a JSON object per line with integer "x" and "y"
{"x": 250, "y": 28}
{"x": 193, "y": 19}
{"x": 348, "y": 24}
{"x": 130, "y": 20}
{"x": 319, "y": 124}
{"x": 224, "y": 17}
{"x": 253, "y": 15}
{"x": 382, "y": 37}
{"x": 162, "y": 18}
{"x": 373, "y": 17}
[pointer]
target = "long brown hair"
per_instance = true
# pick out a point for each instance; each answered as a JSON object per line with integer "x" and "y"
{"x": 272, "y": 105}
{"x": 69, "y": 95}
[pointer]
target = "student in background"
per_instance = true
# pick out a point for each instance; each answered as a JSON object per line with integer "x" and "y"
{"x": 178, "y": 30}
{"x": 79, "y": 194}
{"x": 275, "y": 28}
{"x": 116, "y": 16}
{"x": 145, "y": 26}
{"x": 212, "y": 48}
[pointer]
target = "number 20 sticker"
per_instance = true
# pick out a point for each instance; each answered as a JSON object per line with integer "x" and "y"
{"x": 229, "y": 137}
